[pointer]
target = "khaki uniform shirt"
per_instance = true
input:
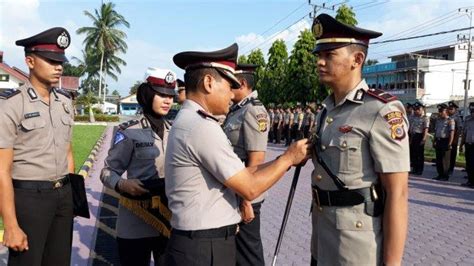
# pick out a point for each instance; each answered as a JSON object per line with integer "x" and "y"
{"x": 247, "y": 127}
{"x": 443, "y": 127}
{"x": 469, "y": 130}
{"x": 458, "y": 126}
{"x": 139, "y": 151}
{"x": 418, "y": 124}
{"x": 360, "y": 137}
{"x": 39, "y": 133}
{"x": 286, "y": 118}
{"x": 199, "y": 160}
{"x": 308, "y": 119}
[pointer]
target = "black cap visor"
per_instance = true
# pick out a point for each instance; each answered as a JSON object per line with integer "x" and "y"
{"x": 163, "y": 90}
{"x": 58, "y": 57}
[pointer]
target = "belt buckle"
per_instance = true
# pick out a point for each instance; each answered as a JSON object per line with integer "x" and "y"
{"x": 57, "y": 184}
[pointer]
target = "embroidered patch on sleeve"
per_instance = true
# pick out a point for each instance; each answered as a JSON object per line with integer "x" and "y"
{"x": 395, "y": 120}
{"x": 119, "y": 137}
{"x": 262, "y": 122}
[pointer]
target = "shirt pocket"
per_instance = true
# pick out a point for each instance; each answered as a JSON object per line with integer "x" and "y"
{"x": 33, "y": 131}
{"x": 66, "y": 123}
{"x": 355, "y": 219}
{"x": 351, "y": 156}
{"x": 146, "y": 153}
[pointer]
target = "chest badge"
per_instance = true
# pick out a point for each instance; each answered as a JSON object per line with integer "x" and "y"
{"x": 345, "y": 129}
{"x": 66, "y": 109}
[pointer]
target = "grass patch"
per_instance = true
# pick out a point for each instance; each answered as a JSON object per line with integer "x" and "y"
{"x": 1, "y": 223}
{"x": 83, "y": 140}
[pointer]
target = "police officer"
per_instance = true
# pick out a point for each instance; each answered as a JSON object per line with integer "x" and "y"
{"x": 299, "y": 117}
{"x": 444, "y": 137}
{"x": 36, "y": 157}
{"x": 308, "y": 121}
{"x": 203, "y": 174}
{"x": 277, "y": 124}
{"x": 289, "y": 127}
{"x": 453, "y": 114}
{"x": 246, "y": 127}
{"x": 271, "y": 117}
{"x": 361, "y": 150}
{"x": 468, "y": 142}
{"x": 418, "y": 133}
{"x": 138, "y": 149}
{"x": 181, "y": 97}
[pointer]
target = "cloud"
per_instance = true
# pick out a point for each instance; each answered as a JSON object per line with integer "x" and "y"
{"x": 252, "y": 40}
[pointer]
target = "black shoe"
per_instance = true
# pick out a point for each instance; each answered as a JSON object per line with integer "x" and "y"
{"x": 444, "y": 178}
{"x": 436, "y": 178}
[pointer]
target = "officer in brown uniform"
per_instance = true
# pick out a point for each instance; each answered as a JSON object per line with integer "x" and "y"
{"x": 139, "y": 149}
{"x": 181, "y": 97}
{"x": 36, "y": 157}
{"x": 458, "y": 124}
{"x": 468, "y": 142}
{"x": 361, "y": 157}
{"x": 203, "y": 174}
{"x": 418, "y": 134}
{"x": 246, "y": 127}
{"x": 444, "y": 137}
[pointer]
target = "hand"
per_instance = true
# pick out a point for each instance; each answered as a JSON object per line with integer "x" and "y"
{"x": 246, "y": 211}
{"x": 132, "y": 186}
{"x": 299, "y": 152}
{"x": 15, "y": 239}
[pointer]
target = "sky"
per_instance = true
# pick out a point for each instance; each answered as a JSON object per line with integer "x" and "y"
{"x": 160, "y": 29}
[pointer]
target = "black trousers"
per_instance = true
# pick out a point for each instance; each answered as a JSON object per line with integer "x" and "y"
{"x": 46, "y": 218}
{"x": 442, "y": 157}
{"x": 306, "y": 132}
{"x": 277, "y": 133}
{"x": 287, "y": 131}
{"x": 186, "y": 250}
{"x": 470, "y": 162}
{"x": 137, "y": 252}
{"x": 417, "y": 152}
{"x": 249, "y": 241}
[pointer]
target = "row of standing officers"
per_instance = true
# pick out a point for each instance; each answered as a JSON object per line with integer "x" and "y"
{"x": 214, "y": 179}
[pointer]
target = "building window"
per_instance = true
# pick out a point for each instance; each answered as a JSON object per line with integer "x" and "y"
{"x": 4, "y": 77}
{"x": 445, "y": 56}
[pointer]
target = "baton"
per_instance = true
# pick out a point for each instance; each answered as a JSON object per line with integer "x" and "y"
{"x": 287, "y": 212}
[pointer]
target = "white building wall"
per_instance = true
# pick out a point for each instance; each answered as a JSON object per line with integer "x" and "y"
{"x": 12, "y": 83}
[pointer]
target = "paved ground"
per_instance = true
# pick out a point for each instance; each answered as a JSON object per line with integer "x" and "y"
{"x": 441, "y": 223}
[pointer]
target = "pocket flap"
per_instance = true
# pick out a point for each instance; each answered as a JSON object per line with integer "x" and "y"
{"x": 33, "y": 123}
{"x": 355, "y": 219}
{"x": 67, "y": 120}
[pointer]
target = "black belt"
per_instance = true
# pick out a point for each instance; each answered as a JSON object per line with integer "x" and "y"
{"x": 343, "y": 197}
{"x": 225, "y": 231}
{"x": 41, "y": 185}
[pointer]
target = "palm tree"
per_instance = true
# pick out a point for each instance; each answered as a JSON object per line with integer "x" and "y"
{"x": 88, "y": 100}
{"x": 105, "y": 37}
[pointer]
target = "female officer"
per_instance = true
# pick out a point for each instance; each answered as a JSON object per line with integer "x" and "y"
{"x": 139, "y": 148}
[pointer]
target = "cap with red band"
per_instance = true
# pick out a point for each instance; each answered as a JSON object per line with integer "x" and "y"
{"x": 49, "y": 44}
{"x": 161, "y": 80}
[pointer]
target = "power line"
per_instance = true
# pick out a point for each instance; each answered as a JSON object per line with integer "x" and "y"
{"x": 423, "y": 36}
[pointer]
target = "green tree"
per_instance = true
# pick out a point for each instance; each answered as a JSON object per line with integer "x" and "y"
{"x": 256, "y": 57}
{"x": 302, "y": 79}
{"x": 115, "y": 93}
{"x": 134, "y": 88}
{"x": 371, "y": 62}
{"x": 242, "y": 59}
{"x": 105, "y": 37}
{"x": 88, "y": 100}
{"x": 72, "y": 70}
{"x": 273, "y": 87}
{"x": 346, "y": 15}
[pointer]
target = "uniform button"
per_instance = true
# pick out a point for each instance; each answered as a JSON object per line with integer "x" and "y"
{"x": 344, "y": 144}
{"x": 329, "y": 120}
{"x": 319, "y": 177}
{"x": 359, "y": 224}
{"x": 323, "y": 147}
{"x": 320, "y": 209}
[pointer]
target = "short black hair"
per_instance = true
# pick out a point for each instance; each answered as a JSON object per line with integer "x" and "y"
{"x": 194, "y": 78}
{"x": 249, "y": 77}
{"x": 359, "y": 48}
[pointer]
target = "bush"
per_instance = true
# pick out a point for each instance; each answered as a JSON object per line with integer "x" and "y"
{"x": 97, "y": 111}
{"x": 98, "y": 118}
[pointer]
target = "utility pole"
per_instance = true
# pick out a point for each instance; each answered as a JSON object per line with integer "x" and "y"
{"x": 317, "y": 8}
{"x": 468, "y": 12}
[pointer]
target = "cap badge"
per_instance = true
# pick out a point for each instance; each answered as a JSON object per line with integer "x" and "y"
{"x": 317, "y": 29}
{"x": 169, "y": 78}
{"x": 63, "y": 40}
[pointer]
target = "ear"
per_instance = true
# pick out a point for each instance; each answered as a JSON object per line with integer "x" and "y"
{"x": 359, "y": 58}
{"x": 208, "y": 83}
{"x": 30, "y": 61}
{"x": 243, "y": 83}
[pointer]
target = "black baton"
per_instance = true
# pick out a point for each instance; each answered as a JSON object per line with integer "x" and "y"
{"x": 287, "y": 212}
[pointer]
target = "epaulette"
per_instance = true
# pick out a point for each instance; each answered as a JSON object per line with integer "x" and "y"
{"x": 6, "y": 94}
{"x": 381, "y": 95}
{"x": 128, "y": 124}
{"x": 256, "y": 102}
{"x": 64, "y": 92}
{"x": 206, "y": 115}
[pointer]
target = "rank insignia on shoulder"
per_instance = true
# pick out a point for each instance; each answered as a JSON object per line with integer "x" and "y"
{"x": 128, "y": 124}
{"x": 119, "y": 137}
{"x": 395, "y": 120}
{"x": 6, "y": 94}
{"x": 206, "y": 115}
{"x": 256, "y": 102}
{"x": 262, "y": 122}
{"x": 381, "y": 95}
{"x": 63, "y": 92}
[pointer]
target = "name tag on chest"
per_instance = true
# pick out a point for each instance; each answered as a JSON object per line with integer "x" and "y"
{"x": 31, "y": 115}
{"x": 144, "y": 144}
